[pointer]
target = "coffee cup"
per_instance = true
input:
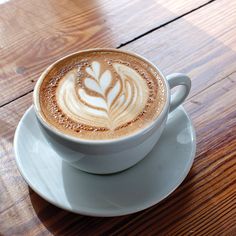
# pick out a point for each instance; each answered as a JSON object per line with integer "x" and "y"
{"x": 103, "y": 110}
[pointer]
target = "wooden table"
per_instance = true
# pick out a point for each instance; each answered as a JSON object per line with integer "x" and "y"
{"x": 193, "y": 37}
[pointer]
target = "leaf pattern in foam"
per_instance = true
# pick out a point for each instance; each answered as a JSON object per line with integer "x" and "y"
{"x": 93, "y": 101}
{"x": 113, "y": 93}
{"x": 101, "y": 85}
{"x": 105, "y": 81}
{"x": 93, "y": 85}
{"x": 95, "y": 70}
{"x": 104, "y": 99}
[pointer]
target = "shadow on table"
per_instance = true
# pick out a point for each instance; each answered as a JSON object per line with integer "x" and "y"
{"x": 61, "y": 222}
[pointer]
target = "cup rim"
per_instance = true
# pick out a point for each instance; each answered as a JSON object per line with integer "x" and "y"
{"x": 141, "y": 132}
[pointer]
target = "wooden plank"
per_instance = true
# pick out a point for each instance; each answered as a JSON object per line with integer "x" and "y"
{"x": 203, "y": 204}
{"x": 197, "y": 44}
{"x": 47, "y": 30}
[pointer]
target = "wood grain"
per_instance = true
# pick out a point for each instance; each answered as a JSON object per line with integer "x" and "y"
{"x": 204, "y": 204}
{"x": 197, "y": 44}
{"x": 47, "y": 30}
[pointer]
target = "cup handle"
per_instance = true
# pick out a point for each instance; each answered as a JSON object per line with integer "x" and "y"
{"x": 184, "y": 83}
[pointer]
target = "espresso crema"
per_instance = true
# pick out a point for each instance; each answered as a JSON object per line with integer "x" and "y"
{"x": 101, "y": 94}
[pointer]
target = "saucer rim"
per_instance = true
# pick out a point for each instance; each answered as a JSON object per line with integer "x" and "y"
{"x": 104, "y": 213}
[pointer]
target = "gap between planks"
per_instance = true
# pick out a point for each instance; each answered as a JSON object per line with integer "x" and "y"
{"x": 163, "y": 25}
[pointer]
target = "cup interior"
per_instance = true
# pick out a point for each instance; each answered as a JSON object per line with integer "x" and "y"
{"x": 157, "y": 121}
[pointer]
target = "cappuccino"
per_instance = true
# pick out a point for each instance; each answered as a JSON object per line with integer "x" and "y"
{"x": 101, "y": 94}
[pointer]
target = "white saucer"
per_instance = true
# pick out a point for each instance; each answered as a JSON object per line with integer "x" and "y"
{"x": 135, "y": 189}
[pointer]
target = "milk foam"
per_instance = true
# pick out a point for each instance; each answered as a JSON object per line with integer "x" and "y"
{"x": 104, "y": 98}
{"x": 101, "y": 94}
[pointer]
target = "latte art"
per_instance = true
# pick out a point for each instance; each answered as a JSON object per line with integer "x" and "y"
{"x": 101, "y": 94}
{"x": 107, "y": 98}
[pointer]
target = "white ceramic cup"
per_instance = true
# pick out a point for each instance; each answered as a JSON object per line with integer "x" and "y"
{"x": 110, "y": 156}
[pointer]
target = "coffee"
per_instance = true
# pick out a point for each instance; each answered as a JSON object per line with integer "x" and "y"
{"x": 101, "y": 94}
